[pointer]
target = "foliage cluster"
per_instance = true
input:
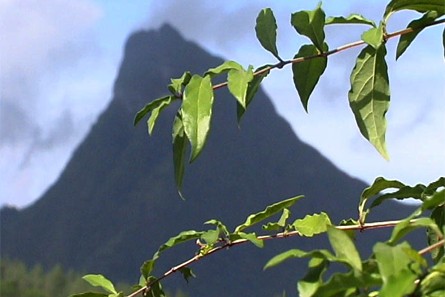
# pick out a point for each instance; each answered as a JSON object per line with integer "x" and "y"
{"x": 394, "y": 268}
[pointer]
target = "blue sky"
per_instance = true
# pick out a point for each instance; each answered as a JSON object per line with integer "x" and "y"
{"x": 59, "y": 59}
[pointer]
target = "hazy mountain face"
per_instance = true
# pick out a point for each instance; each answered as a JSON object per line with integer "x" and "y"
{"x": 116, "y": 202}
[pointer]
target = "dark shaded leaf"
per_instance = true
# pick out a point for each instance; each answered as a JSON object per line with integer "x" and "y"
{"x": 311, "y": 24}
{"x": 296, "y": 253}
{"x": 417, "y": 5}
{"x": 187, "y": 273}
{"x": 369, "y": 96}
{"x": 266, "y": 31}
{"x": 179, "y": 141}
{"x": 309, "y": 284}
{"x": 90, "y": 294}
{"x": 150, "y": 106}
{"x": 406, "y": 39}
{"x": 306, "y": 74}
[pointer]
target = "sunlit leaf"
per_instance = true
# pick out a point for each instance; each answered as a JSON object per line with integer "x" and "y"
{"x": 312, "y": 224}
{"x": 252, "y": 89}
{"x": 296, "y": 253}
{"x": 223, "y": 68}
{"x": 221, "y": 227}
{"x": 398, "y": 274}
{"x": 406, "y": 39}
{"x": 176, "y": 85}
{"x": 405, "y": 227}
{"x": 369, "y": 96}
{"x": 156, "y": 112}
{"x": 433, "y": 284}
{"x": 210, "y": 236}
{"x": 310, "y": 23}
{"x": 98, "y": 280}
{"x": 351, "y": 19}
{"x": 268, "y": 212}
{"x": 252, "y": 238}
{"x": 344, "y": 247}
{"x": 197, "y": 112}
{"x": 281, "y": 224}
{"x": 417, "y": 5}
{"x": 238, "y": 82}
{"x": 374, "y": 37}
{"x": 179, "y": 142}
{"x": 434, "y": 200}
{"x": 306, "y": 74}
{"x": 150, "y": 106}
{"x": 266, "y": 31}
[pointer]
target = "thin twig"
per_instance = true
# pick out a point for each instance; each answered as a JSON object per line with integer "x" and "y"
{"x": 432, "y": 247}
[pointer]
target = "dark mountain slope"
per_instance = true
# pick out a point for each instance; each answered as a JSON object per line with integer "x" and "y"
{"x": 115, "y": 202}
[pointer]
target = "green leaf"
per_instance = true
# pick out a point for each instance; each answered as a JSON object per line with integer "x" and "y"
{"x": 223, "y": 68}
{"x": 252, "y": 89}
{"x": 313, "y": 278}
{"x": 433, "y": 284}
{"x": 177, "y": 83}
{"x": 306, "y": 74}
{"x": 210, "y": 236}
{"x": 156, "y": 112}
{"x": 311, "y": 24}
{"x": 438, "y": 216}
{"x": 268, "y": 212}
{"x": 344, "y": 248}
{"x": 151, "y": 106}
{"x": 435, "y": 200}
{"x": 405, "y": 227}
{"x": 252, "y": 238}
{"x": 369, "y": 96}
{"x": 221, "y": 227}
{"x": 417, "y": 5}
{"x": 395, "y": 267}
{"x": 156, "y": 289}
{"x": 281, "y": 224}
{"x": 98, "y": 280}
{"x": 266, "y": 31}
{"x": 312, "y": 224}
{"x": 351, "y": 19}
{"x": 374, "y": 37}
{"x": 187, "y": 273}
{"x": 179, "y": 149}
{"x": 238, "y": 82}
{"x": 89, "y": 294}
{"x": 406, "y": 39}
{"x": 296, "y": 253}
{"x": 197, "y": 112}
{"x": 182, "y": 237}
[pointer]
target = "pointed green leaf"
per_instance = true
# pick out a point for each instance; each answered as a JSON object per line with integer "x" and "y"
{"x": 187, "y": 273}
{"x": 221, "y": 227}
{"x": 417, "y": 5}
{"x": 98, "y": 280}
{"x": 296, "y": 253}
{"x": 175, "y": 87}
{"x": 405, "y": 192}
{"x": 438, "y": 215}
{"x": 281, "y": 224}
{"x": 312, "y": 224}
{"x": 210, "y": 236}
{"x": 252, "y": 89}
{"x": 150, "y": 106}
{"x": 156, "y": 112}
{"x": 311, "y": 24}
{"x": 252, "y": 238}
{"x": 405, "y": 227}
{"x": 90, "y": 294}
{"x": 434, "y": 201}
{"x": 369, "y": 96}
{"x": 179, "y": 150}
{"x": 394, "y": 266}
{"x": 266, "y": 31}
{"x": 268, "y": 212}
{"x": 374, "y": 37}
{"x": 223, "y": 68}
{"x": 351, "y": 19}
{"x": 406, "y": 39}
{"x": 197, "y": 112}
{"x": 238, "y": 82}
{"x": 344, "y": 247}
{"x": 309, "y": 284}
{"x": 307, "y": 73}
